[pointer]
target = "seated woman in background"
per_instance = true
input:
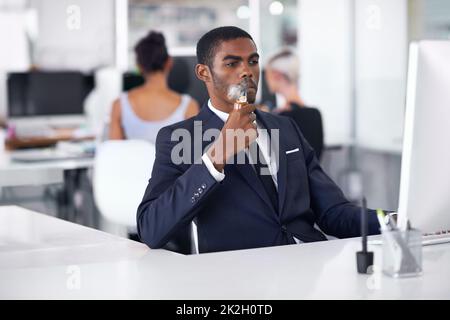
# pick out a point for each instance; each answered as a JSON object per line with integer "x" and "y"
{"x": 282, "y": 76}
{"x": 141, "y": 112}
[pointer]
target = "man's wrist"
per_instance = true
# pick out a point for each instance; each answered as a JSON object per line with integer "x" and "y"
{"x": 217, "y": 175}
{"x": 216, "y": 155}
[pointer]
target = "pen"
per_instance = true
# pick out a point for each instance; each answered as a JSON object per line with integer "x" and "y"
{"x": 364, "y": 224}
{"x": 364, "y": 258}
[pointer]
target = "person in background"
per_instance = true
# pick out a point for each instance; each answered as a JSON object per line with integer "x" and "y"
{"x": 142, "y": 111}
{"x": 282, "y": 77}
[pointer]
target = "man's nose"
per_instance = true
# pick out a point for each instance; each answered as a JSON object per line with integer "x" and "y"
{"x": 246, "y": 72}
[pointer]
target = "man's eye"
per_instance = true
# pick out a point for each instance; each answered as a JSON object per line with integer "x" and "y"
{"x": 231, "y": 64}
{"x": 254, "y": 62}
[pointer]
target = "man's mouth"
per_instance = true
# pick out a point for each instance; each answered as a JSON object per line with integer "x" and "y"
{"x": 250, "y": 84}
{"x": 238, "y": 90}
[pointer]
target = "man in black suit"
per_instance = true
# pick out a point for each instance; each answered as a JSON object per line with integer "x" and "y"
{"x": 252, "y": 180}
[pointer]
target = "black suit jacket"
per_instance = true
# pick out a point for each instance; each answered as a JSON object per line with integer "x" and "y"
{"x": 237, "y": 213}
{"x": 309, "y": 120}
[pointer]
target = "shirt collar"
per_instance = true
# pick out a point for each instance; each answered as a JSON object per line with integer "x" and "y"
{"x": 222, "y": 115}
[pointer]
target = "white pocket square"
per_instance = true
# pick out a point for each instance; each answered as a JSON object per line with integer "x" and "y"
{"x": 293, "y": 150}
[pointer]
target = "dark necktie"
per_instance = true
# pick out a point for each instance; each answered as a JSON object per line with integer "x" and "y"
{"x": 262, "y": 171}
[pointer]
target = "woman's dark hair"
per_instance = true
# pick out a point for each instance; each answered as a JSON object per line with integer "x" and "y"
{"x": 151, "y": 52}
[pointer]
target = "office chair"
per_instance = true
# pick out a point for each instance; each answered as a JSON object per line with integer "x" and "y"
{"x": 122, "y": 169}
{"x": 121, "y": 172}
{"x": 309, "y": 120}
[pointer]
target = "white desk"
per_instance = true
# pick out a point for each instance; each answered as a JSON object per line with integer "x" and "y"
{"x": 43, "y": 257}
{"x": 13, "y": 173}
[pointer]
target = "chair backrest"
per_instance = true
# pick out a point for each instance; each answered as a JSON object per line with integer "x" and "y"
{"x": 309, "y": 120}
{"x": 122, "y": 169}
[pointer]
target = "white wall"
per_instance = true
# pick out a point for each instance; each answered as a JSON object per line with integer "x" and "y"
{"x": 380, "y": 73}
{"x": 379, "y": 64}
{"x": 325, "y": 69}
{"x": 14, "y": 51}
{"x": 14, "y": 48}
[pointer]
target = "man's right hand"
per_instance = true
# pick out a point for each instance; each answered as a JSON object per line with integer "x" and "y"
{"x": 237, "y": 134}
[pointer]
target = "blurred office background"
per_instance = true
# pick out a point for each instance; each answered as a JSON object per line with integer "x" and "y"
{"x": 353, "y": 67}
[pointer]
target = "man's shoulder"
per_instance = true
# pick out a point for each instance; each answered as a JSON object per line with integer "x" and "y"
{"x": 278, "y": 121}
{"x": 274, "y": 116}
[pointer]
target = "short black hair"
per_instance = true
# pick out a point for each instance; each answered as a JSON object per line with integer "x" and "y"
{"x": 151, "y": 52}
{"x": 212, "y": 39}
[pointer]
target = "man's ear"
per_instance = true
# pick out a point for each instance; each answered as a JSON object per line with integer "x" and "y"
{"x": 202, "y": 72}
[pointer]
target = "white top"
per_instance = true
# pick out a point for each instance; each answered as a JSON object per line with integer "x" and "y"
{"x": 136, "y": 128}
{"x": 47, "y": 258}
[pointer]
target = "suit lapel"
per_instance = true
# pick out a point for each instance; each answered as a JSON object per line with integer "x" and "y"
{"x": 282, "y": 176}
{"x": 280, "y": 152}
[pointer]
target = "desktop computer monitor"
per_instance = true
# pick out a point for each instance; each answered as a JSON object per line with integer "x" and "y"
{"x": 425, "y": 174}
{"x": 131, "y": 80}
{"x": 45, "y": 95}
{"x": 182, "y": 79}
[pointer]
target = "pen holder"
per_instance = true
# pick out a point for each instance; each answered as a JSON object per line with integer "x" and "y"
{"x": 402, "y": 253}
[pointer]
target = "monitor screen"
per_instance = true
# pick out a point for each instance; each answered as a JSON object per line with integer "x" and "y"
{"x": 182, "y": 79}
{"x": 425, "y": 170}
{"x": 47, "y": 93}
{"x": 131, "y": 80}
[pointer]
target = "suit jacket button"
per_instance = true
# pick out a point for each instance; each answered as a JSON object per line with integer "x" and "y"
{"x": 196, "y": 195}
{"x": 203, "y": 185}
{"x": 283, "y": 228}
{"x": 200, "y": 190}
{"x": 192, "y": 199}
